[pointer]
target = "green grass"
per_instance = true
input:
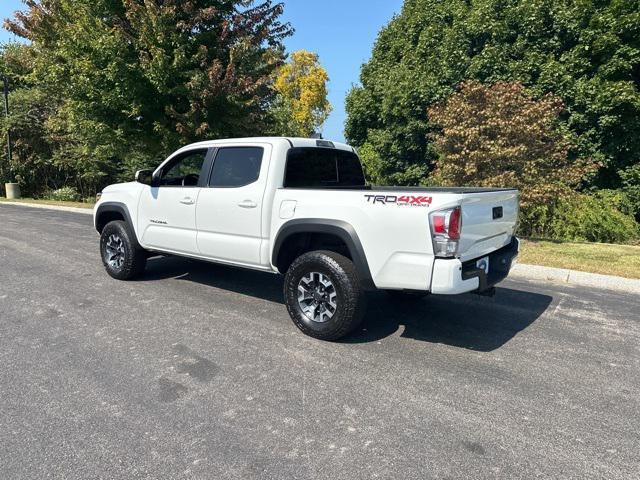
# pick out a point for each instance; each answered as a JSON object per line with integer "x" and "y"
{"x": 49, "y": 202}
{"x": 607, "y": 259}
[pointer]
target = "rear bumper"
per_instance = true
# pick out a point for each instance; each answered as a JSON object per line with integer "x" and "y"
{"x": 452, "y": 277}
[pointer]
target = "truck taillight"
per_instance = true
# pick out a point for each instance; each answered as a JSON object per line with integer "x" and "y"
{"x": 455, "y": 224}
{"x": 446, "y": 226}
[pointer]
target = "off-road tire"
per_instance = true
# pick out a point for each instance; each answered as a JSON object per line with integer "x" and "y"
{"x": 350, "y": 297}
{"x": 133, "y": 259}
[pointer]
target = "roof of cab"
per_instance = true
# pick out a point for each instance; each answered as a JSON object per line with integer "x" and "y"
{"x": 294, "y": 142}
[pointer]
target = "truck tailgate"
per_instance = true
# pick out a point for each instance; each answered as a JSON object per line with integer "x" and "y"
{"x": 489, "y": 221}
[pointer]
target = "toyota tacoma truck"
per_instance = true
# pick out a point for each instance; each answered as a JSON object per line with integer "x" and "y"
{"x": 302, "y": 208}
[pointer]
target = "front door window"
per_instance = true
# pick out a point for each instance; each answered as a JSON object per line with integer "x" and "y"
{"x": 184, "y": 171}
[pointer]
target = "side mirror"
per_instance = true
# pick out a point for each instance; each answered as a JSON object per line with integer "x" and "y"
{"x": 144, "y": 176}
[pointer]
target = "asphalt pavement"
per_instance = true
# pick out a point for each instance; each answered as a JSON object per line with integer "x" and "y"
{"x": 196, "y": 371}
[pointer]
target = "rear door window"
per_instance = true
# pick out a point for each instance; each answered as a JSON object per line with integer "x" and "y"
{"x": 236, "y": 167}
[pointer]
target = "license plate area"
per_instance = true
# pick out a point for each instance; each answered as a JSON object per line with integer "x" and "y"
{"x": 483, "y": 264}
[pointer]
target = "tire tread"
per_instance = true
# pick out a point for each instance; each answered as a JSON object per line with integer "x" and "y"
{"x": 135, "y": 258}
{"x": 352, "y": 301}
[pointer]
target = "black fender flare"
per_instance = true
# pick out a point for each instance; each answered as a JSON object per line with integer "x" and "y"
{"x": 120, "y": 208}
{"x": 340, "y": 229}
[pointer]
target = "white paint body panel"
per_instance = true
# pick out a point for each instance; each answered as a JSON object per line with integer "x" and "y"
{"x": 229, "y": 220}
{"x": 167, "y": 218}
{"x": 396, "y": 239}
{"x": 481, "y": 234}
{"x": 447, "y": 278}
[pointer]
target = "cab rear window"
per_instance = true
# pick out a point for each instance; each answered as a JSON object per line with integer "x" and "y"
{"x": 310, "y": 167}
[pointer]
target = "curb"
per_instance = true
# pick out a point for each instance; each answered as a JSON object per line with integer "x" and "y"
{"x": 61, "y": 208}
{"x": 575, "y": 278}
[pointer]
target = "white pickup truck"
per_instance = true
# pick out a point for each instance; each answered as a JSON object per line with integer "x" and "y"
{"x": 302, "y": 208}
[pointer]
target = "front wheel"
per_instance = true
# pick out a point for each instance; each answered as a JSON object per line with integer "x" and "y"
{"x": 323, "y": 295}
{"x": 120, "y": 256}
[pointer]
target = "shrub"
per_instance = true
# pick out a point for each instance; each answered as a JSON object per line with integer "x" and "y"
{"x": 591, "y": 218}
{"x": 64, "y": 194}
{"x": 631, "y": 186}
{"x": 535, "y": 221}
{"x": 619, "y": 199}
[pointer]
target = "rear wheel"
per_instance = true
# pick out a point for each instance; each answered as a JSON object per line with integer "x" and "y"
{"x": 323, "y": 295}
{"x": 121, "y": 258}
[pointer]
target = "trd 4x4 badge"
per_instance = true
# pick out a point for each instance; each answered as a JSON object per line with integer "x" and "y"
{"x": 403, "y": 200}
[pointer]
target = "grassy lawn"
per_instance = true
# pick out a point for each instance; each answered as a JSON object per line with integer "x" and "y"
{"x": 49, "y": 202}
{"x": 619, "y": 260}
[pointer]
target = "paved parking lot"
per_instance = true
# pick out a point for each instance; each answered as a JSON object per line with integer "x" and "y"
{"x": 196, "y": 371}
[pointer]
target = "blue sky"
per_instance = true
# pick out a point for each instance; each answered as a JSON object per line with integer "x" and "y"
{"x": 342, "y": 32}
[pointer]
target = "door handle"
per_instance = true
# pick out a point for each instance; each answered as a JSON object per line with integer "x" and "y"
{"x": 248, "y": 204}
{"x": 187, "y": 201}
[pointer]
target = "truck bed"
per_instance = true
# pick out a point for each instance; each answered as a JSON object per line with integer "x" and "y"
{"x": 451, "y": 190}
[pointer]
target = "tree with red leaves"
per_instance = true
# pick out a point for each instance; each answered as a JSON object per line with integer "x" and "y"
{"x": 501, "y": 136}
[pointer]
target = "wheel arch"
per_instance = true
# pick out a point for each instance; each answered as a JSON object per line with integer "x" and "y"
{"x": 335, "y": 228}
{"x": 110, "y": 211}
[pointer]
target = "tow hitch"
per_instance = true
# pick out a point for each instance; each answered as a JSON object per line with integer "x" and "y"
{"x": 490, "y": 292}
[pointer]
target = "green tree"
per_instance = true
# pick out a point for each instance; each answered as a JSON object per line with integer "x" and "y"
{"x": 587, "y": 52}
{"x": 301, "y": 106}
{"x": 30, "y": 107}
{"x": 137, "y": 79}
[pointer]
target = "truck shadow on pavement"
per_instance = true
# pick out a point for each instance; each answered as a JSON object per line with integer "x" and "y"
{"x": 465, "y": 321}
